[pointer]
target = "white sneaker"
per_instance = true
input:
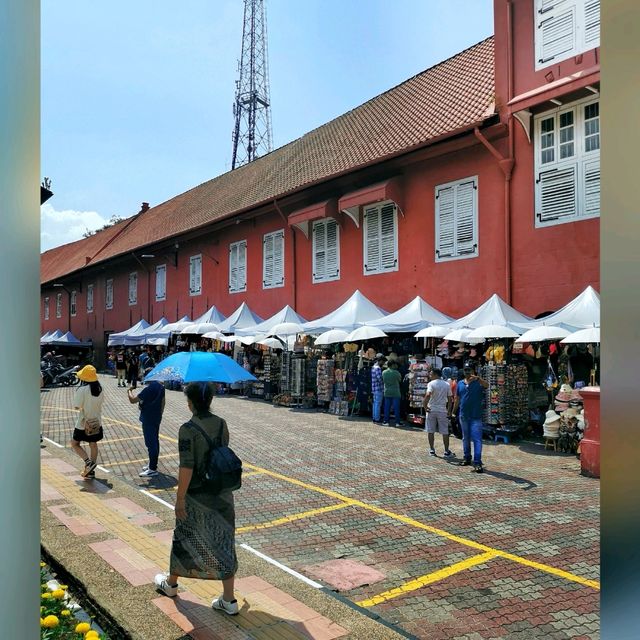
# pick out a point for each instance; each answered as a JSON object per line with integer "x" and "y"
{"x": 164, "y": 587}
{"x": 145, "y": 467}
{"x": 147, "y": 473}
{"x": 230, "y": 608}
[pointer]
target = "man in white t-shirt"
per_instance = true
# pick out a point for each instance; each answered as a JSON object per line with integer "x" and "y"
{"x": 437, "y": 404}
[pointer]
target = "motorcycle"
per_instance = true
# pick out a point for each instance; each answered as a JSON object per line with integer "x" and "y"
{"x": 67, "y": 377}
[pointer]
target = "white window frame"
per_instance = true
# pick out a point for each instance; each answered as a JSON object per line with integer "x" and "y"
{"x": 89, "y": 298}
{"x": 58, "y": 305}
{"x": 73, "y": 303}
{"x": 161, "y": 282}
{"x": 237, "y": 268}
{"x": 46, "y": 307}
{"x": 277, "y": 278}
{"x": 195, "y": 275}
{"x": 317, "y": 276}
{"x": 584, "y": 14}
{"x": 458, "y": 253}
{"x": 133, "y": 288}
{"x": 581, "y": 162}
{"x": 367, "y": 269}
{"x": 108, "y": 293}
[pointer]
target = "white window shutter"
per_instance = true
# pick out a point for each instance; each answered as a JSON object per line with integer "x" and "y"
{"x": 332, "y": 264}
{"x": 591, "y": 24}
{"x": 465, "y": 227}
{"x": 388, "y": 244}
{"x": 192, "y": 275}
{"x": 445, "y": 222}
{"x": 556, "y": 30}
{"x": 242, "y": 265}
{"x": 267, "y": 258}
{"x": 278, "y": 259}
{"x": 557, "y": 193}
{"x": 233, "y": 267}
{"x": 372, "y": 239}
{"x": 199, "y": 274}
{"x": 319, "y": 251}
{"x": 591, "y": 187}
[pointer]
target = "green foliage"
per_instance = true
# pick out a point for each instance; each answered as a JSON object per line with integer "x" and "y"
{"x": 112, "y": 220}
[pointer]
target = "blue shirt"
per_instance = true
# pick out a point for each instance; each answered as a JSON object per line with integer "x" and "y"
{"x": 470, "y": 399}
{"x": 151, "y": 403}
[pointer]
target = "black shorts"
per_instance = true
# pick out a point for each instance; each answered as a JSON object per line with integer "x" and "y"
{"x": 80, "y": 436}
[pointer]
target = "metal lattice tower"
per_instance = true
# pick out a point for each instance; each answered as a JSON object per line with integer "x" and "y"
{"x": 252, "y": 131}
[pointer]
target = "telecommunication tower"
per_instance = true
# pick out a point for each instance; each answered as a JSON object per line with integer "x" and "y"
{"x": 251, "y": 109}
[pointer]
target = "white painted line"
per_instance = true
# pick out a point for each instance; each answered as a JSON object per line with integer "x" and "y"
{"x": 311, "y": 583}
{"x": 52, "y": 442}
{"x": 160, "y": 500}
{"x": 103, "y": 469}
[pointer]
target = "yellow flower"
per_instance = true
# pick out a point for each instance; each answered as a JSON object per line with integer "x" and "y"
{"x": 51, "y": 622}
{"x": 83, "y": 627}
{"x": 91, "y": 635}
{"x": 42, "y": 622}
{"x": 42, "y": 565}
{"x": 41, "y": 608}
{"x": 64, "y": 586}
{"x": 46, "y": 596}
{"x": 65, "y": 612}
{"x": 58, "y": 594}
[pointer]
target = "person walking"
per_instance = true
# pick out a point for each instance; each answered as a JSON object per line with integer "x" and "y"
{"x": 377, "y": 387}
{"x": 88, "y": 401}
{"x": 203, "y": 544}
{"x": 391, "y": 379}
{"x": 469, "y": 396}
{"x": 438, "y": 404}
{"x": 121, "y": 367}
{"x": 151, "y": 401}
{"x": 132, "y": 370}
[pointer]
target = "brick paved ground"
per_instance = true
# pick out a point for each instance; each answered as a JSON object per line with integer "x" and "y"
{"x": 512, "y": 553}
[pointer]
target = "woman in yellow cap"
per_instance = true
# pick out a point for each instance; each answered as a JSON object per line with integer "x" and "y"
{"x": 88, "y": 400}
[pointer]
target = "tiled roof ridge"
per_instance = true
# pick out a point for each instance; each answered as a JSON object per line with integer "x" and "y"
{"x": 115, "y": 235}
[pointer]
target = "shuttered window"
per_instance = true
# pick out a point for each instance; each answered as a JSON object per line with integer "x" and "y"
{"x": 58, "y": 305}
{"x": 90, "y": 298}
{"x": 195, "y": 275}
{"x": 161, "y": 282}
{"x": 380, "y": 235}
{"x": 326, "y": 251}
{"x": 46, "y": 308}
{"x": 108, "y": 294}
{"x": 133, "y": 288}
{"x": 273, "y": 260}
{"x": 565, "y": 28}
{"x": 238, "y": 266}
{"x": 456, "y": 220}
{"x": 567, "y": 180}
{"x": 73, "y": 303}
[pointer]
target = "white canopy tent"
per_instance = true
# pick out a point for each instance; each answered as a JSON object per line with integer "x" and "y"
{"x": 68, "y": 339}
{"x": 117, "y": 339}
{"x": 143, "y": 337}
{"x": 241, "y": 318}
{"x": 50, "y": 335}
{"x": 164, "y": 333}
{"x": 414, "y": 316}
{"x": 354, "y": 313}
{"x": 212, "y": 315}
{"x": 286, "y": 314}
{"x": 494, "y": 311}
{"x": 581, "y": 313}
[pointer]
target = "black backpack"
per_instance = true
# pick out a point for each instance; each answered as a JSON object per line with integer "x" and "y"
{"x": 223, "y": 469}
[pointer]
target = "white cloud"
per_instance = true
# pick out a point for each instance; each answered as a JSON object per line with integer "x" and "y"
{"x": 61, "y": 227}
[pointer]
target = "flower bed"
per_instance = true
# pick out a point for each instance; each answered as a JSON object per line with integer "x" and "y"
{"x": 59, "y": 614}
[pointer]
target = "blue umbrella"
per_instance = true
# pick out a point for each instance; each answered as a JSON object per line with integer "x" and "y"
{"x": 199, "y": 366}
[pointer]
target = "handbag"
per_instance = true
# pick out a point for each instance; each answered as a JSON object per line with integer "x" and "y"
{"x": 91, "y": 426}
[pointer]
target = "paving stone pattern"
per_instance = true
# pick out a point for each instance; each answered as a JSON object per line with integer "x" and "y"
{"x": 530, "y": 502}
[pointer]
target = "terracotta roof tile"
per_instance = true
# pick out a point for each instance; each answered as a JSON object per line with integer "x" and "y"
{"x": 454, "y": 94}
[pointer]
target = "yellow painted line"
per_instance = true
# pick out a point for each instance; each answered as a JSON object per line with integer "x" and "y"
{"x": 429, "y": 578}
{"x": 125, "y": 462}
{"x": 251, "y": 473}
{"x": 110, "y": 440}
{"x": 160, "y": 490}
{"x": 293, "y": 518}
{"x": 408, "y": 521}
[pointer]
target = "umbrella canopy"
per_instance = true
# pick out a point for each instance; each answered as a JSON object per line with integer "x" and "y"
{"x": 117, "y": 339}
{"x": 332, "y": 336}
{"x": 214, "y": 335}
{"x": 246, "y": 339}
{"x": 241, "y": 318}
{"x": 414, "y": 316}
{"x": 286, "y": 329}
{"x": 592, "y": 334}
{"x": 492, "y": 331}
{"x": 494, "y": 311}
{"x": 212, "y": 315}
{"x": 365, "y": 333}
{"x": 141, "y": 336}
{"x": 542, "y": 333}
{"x": 199, "y": 328}
{"x": 434, "y": 331}
{"x": 355, "y": 312}
{"x": 285, "y": 315}
{"x": 199, "y": 366}
{"x": 272, "y": 343}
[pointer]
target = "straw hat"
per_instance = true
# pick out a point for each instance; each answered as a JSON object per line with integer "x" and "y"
{"x": 551, "y": 417}
{"x": 571, "y": 412}
{"x": 87, "y": 374}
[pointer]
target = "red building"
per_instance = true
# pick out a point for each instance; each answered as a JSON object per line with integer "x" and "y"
{"x": 478, "y": 176}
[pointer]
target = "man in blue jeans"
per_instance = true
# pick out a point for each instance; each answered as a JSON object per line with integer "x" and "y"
{"x": 151, "y": 400}
{"x": 391, "y": 380}
{"x": 469, "y": 397}
{"x": 377, "y": 387}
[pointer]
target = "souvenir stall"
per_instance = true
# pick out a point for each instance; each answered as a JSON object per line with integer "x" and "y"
{"x": 419, "y": 376}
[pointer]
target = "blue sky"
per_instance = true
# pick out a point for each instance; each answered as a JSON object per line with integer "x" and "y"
{"x": 137, "y": 96}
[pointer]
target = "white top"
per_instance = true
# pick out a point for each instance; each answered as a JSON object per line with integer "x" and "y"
{"x": 90, "y": 406}
{"x": 440, "y": 390}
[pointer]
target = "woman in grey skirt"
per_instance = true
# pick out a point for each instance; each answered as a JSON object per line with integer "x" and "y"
{"x": 204, "y": 538}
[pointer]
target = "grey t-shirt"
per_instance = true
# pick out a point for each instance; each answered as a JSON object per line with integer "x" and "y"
{"x": 440, "y": 392}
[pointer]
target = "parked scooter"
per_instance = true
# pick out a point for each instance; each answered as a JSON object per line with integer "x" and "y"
{"x": 67, "y": 377}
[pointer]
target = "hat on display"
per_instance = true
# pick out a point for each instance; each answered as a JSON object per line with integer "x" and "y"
{"x": 88, "y": 374}
{"x": 575, "y": 395}
{"x": 563, "y": 397}
{"x": 551, "y": 416}
{"x": 562, "y": 406}
{"x": 551, "y": 426}
{"x": 571, "y": 412}
{"x": 565, "y": 388}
